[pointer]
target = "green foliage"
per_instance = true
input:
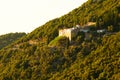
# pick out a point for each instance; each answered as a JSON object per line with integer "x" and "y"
{"x": 102, "y": 63}
{"x": 104, "y": 13}
{"x": 110, "y": 28}
{"x": 60, "y": 42}
{"x": 39, "y": 55}
{"x": 9, "y": 38}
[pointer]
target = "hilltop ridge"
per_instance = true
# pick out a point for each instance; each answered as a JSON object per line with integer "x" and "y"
{"x": 9, "y": 38}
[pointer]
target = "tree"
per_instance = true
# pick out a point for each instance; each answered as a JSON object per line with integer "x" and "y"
{"x": 110, "y": 28}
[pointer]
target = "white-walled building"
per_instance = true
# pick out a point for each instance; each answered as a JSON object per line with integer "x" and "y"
{"x": 72, "y": 32}
{"x": 101, "y": 30}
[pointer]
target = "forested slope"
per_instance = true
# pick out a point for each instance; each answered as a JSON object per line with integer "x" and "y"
{"x": 37, "y": 57}
{"x": 104, "y": 12}
{"x": 9, "y": 38}
{"x": 102, "y": 63}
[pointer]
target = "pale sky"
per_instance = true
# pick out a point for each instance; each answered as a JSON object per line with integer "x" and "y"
{"x": 26, "y": 15}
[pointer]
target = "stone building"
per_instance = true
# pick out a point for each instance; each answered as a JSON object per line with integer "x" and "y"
{"x": 70, "y": 32}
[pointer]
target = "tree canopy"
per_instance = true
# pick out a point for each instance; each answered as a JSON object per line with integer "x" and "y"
{"x": 39, "y": 55}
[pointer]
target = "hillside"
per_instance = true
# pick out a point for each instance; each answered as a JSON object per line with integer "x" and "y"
{"x": 39, "y": 55}
{"x": 102, "y": 63}
{"x": 7, "y": 39}
{"x": 103, "y": 13}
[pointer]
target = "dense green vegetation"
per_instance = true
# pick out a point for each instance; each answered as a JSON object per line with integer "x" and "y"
{"x": 41, "y": 55}
{"x": 9, "y": 38}
{"x": 104, "y": 13}
{"x": 102, "y": 63}
{"x": 59, "y": 41}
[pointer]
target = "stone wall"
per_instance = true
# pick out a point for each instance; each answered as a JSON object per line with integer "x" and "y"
{"x": 65, "y": 32}
{"x": 70, "y": 33}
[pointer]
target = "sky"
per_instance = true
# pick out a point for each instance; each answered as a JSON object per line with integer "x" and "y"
{"x": 26, "y": 15}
